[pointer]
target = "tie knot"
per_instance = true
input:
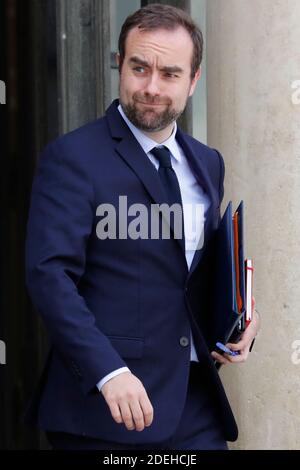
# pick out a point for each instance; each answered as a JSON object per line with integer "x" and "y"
{"x": 163, "y": 156}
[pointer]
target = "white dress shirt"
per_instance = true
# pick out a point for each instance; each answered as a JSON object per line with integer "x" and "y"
{"x": 192, "y": 196}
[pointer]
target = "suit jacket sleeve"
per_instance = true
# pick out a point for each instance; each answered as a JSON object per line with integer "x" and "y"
{"x": 59, "y": 224}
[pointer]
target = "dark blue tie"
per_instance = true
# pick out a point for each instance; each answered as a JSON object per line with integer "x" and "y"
{"x": 168, "y": 179}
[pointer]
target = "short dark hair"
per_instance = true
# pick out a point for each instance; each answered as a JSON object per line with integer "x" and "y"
{"x": 160, "y": 16}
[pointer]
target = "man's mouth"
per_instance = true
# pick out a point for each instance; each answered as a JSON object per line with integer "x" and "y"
{"x": 151, "y": 104}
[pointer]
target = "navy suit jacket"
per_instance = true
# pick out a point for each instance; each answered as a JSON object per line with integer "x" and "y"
{"x": 115, "y": 302}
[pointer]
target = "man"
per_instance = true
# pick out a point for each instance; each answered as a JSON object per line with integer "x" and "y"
{"x": 130, "y": 367}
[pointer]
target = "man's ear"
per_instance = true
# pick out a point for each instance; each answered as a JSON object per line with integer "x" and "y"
{"x": 118, "y": 61}
{"x": 194, "y": 81}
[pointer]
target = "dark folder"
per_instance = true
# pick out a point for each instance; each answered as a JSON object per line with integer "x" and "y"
{"x": 228, "y": 312}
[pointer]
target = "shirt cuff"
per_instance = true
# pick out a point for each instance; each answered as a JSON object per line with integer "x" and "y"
{"x": 110, "y": 376}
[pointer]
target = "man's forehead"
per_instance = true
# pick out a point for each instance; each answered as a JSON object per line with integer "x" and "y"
{"x": 168, "y": 44}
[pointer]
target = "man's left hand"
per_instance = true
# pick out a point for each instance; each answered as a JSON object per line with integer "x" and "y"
{"x": 244, "y": 344}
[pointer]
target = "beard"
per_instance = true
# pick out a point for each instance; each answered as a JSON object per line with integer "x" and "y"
{"x": 150, "y": 120}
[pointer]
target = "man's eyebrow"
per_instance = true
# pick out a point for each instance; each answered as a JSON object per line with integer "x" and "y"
{"x": 166, "y": 68}
{"x": 137, "y": 60}
{"x": 171, "y": 69}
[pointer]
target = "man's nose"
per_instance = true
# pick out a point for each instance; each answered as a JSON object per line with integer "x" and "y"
{"x": 152, "y": 86}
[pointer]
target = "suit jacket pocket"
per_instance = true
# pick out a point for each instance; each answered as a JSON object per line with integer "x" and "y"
{"x": 128, "y": 347}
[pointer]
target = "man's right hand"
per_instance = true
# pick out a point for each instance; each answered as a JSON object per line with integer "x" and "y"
{"x": 128, "y": 401}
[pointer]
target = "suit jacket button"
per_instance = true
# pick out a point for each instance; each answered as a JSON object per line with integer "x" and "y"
{"x": 184, "y": 341}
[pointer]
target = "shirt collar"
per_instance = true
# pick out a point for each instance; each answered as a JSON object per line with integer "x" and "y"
{"x": 148, "y": 144}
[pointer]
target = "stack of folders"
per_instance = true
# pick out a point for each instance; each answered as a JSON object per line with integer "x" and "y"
{"x": 233, "y": 279}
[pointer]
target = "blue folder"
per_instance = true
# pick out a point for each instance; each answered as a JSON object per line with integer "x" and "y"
{"x": 227, "y": 323}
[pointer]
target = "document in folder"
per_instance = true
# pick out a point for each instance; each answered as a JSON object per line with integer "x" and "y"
{"x": 229, "y": 310}
{"x": 249, "y": 288}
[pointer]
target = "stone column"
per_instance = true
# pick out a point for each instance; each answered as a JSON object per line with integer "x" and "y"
{"x": 254, "y": 120}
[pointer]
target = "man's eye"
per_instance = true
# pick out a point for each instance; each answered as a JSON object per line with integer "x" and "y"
{"x": 139, "y": 69}
{"x": 171, "y": 75}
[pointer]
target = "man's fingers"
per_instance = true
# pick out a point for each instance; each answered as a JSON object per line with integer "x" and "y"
{"x": 134, "y": 414}
{"x": 240, "y": 358}
{"x": 127, "y": 415}
{"x": 137, "y": 415}
{"x": 218, "y": 357}
{"x": 147, "y": 409}
{"x": 115, "y": 412}
{"x": 128, "y": 401}
{"x": 237, "y": 346}
{"x": 227, "y": 359}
